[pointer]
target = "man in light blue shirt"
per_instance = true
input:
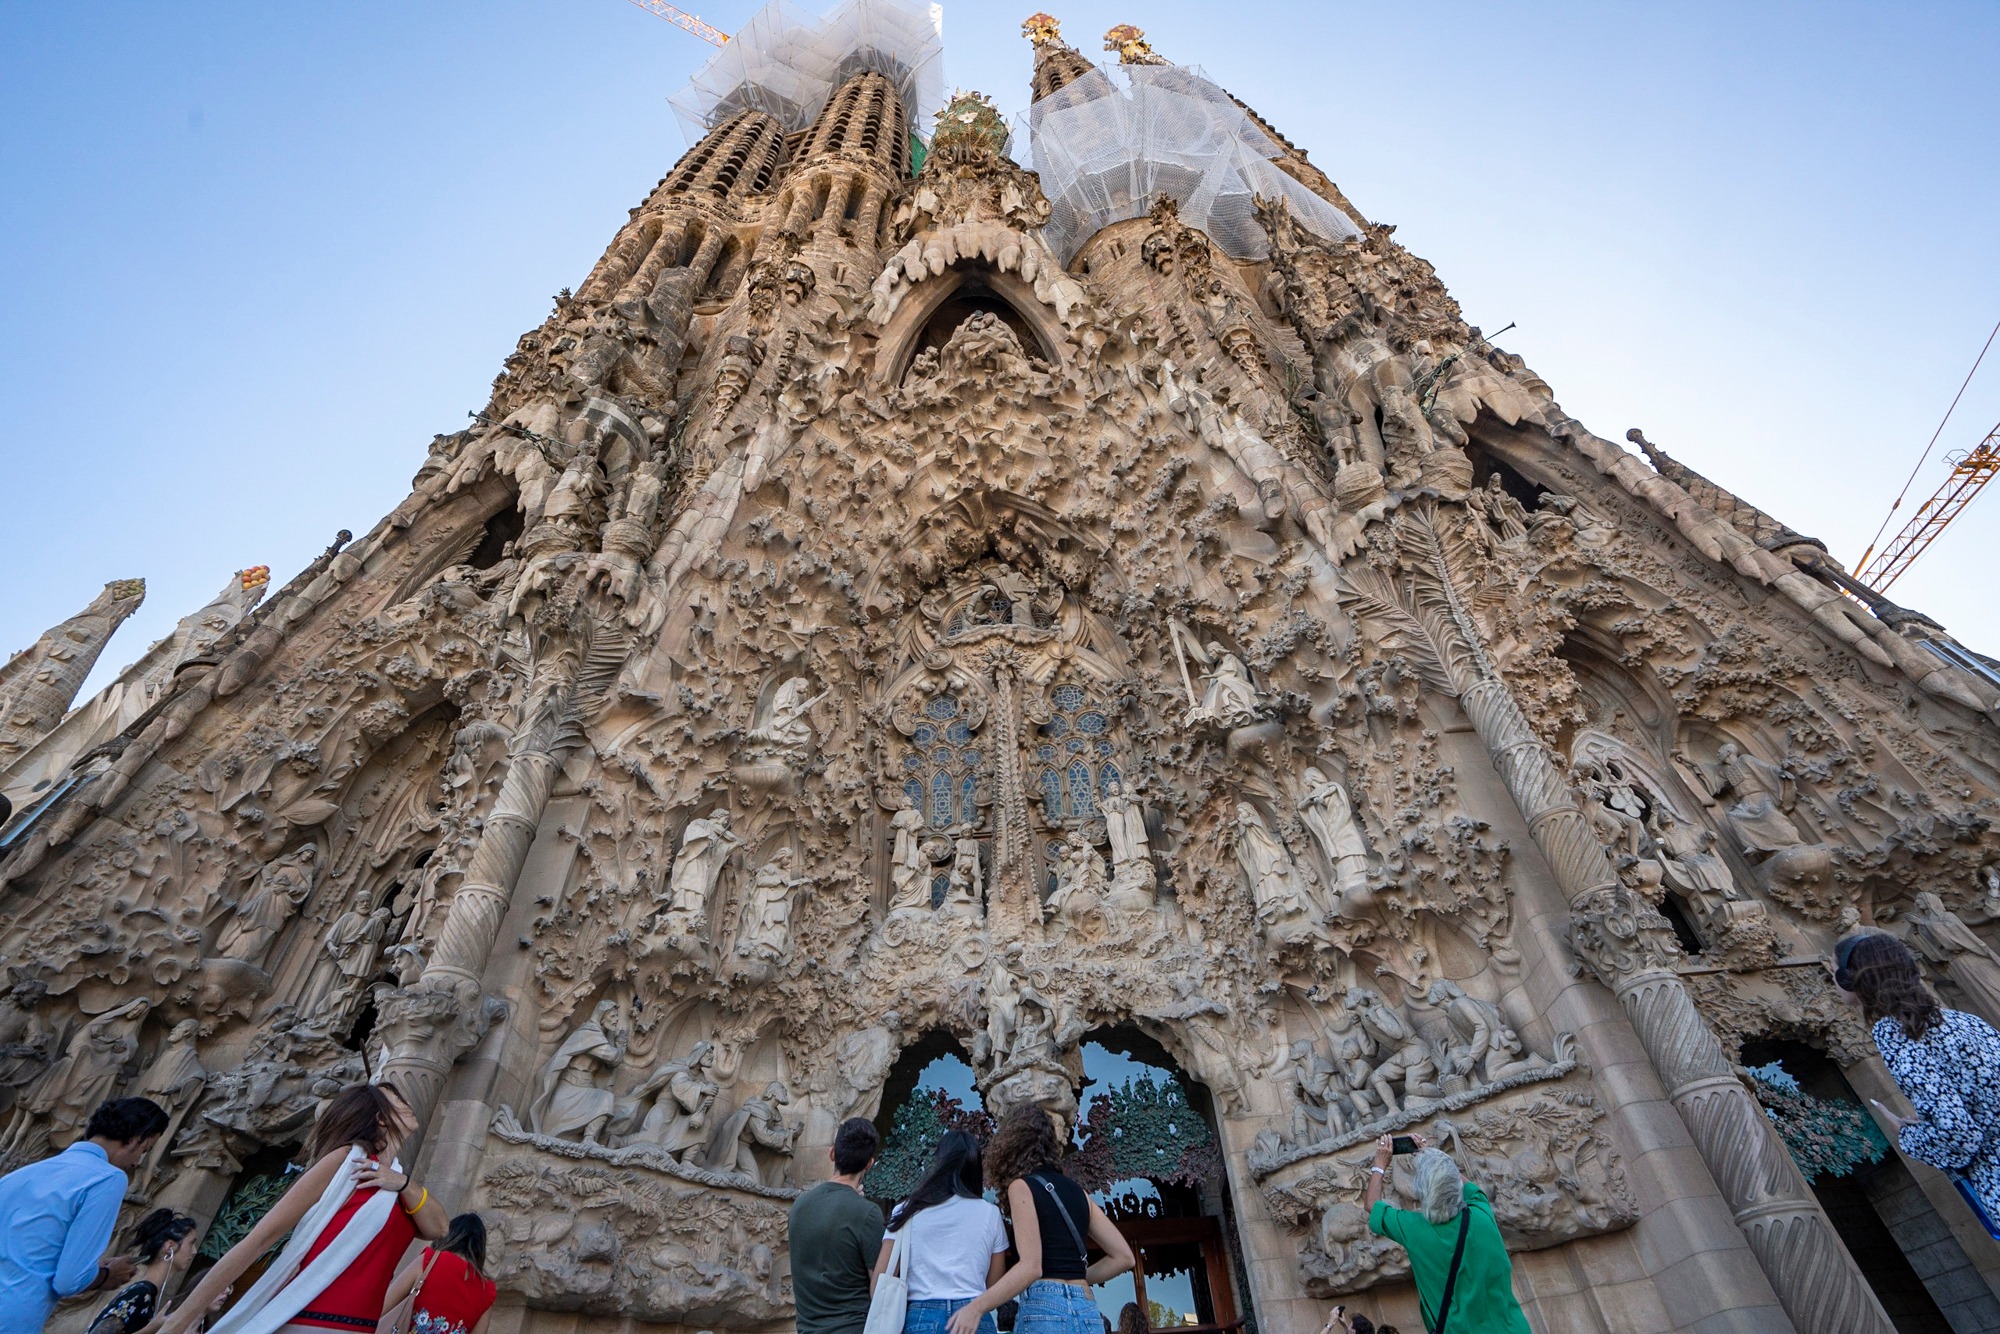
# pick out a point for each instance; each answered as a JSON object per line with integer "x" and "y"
{"x": 56, "y": 1216}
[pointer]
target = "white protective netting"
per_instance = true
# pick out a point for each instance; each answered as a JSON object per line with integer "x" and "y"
{"x": 788, "y": 63}
{"x": 1109, "y": 144}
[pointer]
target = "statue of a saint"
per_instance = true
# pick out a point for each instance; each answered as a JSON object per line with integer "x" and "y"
{"x": 1941, "y": 935}
{"x": 1283, "y": 906}
{"x": 683, "y": 1095}
{"x": 705, "y": 846}
{"x": 281, "y": 888}
{"x": 909, "y": 865}
{"x": 1405, "y": 1058}
{"x": 966, "y": 895}
{"x": 1690, "y": 862}
{"x": 56, "y": 1106}
{"x": 350, "y": 955}
{"x": 1764, "y": 797}
{"x": 758, "y": 1126}
{"x": 1081, "y": 884}
{"x": 1229, "y": 697}
{"x": 1485, "y": 1048}
{"x": 174, "y": 1080}
{"x": 787, "y": 728}
{"x": 1507, "y": 515}
{"x": 1328, "y": 816}
{"x": 1125, "y": 825}
{"x": 765, "y": 931}
{"x": 573, "y": 1096}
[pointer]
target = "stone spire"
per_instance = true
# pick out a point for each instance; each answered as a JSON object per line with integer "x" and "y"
{"x": 1057, "y": 63}
{"x": 1133, "y": 49}
{"x": 38, "y": 684}
{"x": 849, "y": 163}
{"x": 1732, "y": 509}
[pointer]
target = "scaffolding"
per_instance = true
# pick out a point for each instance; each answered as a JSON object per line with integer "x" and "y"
{"x": 788, "y": 63}
{"x": 1111, "y": 142}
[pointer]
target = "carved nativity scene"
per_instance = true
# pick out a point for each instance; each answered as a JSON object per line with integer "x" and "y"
{"x": 905, "y": 606}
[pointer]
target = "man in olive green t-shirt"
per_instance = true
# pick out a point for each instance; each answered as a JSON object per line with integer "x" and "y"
{"x": 836, "y": 1236}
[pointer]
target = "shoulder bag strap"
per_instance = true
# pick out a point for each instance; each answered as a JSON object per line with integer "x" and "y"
{"x": 899, "y": 1254}
{"x": 1451, "y": 1275}
{"x": 1062, "y": 1212}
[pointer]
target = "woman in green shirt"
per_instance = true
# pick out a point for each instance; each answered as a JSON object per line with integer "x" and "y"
{"x": 1482, "y": 1295}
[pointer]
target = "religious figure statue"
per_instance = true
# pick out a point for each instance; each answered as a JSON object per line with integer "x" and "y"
{"x": 56, "y": 1106}
{"x": 909, "y": 865}
{"x": 1017, "y": 590}
{"x": 1328, "y": 816}
{"x": 27, "y": 1039}
{"x": 683, "y": 1095}
{"x": 1690, "y": 862}
{"x": 1507, "y": 515}
{"x": 705, "y": 846}
{"x": 174, "y": 1080}
{"x": 1486, "y": 1048}
{"x": 1283, "y": 905}
{"x": 1353, "y": 1049}
{"x": 1081, "y": 885}
{"x": 1018, "y": 1017}
{"x": 788, "y": 729}
{"x": 1405, "y": 1058}
{"x": 759, "y": 1125}
{"x": 281, "y": 888}
{"x": 1125, "y": 825}
{"x": 965, "y": 895}
{"x": 350, "y": 955}
{"x": 1613, "y": 808}
{"x": 1317, "y": 1096}
{"x": 765, "y": 931}
{"x": 1229, "y": 697}
{"x": 1941, "y": 935}
{"x": 862, "y": 1062}
{"x": 1764, "y": 795}
{"x": 573, "y": 1095}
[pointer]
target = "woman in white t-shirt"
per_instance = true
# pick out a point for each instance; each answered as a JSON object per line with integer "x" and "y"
{"x": 954, "y": 1243}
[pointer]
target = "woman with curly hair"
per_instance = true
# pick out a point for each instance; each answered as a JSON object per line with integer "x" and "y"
{"x": 1946, "y": 1062}
{"x": 1052, "y": 1217}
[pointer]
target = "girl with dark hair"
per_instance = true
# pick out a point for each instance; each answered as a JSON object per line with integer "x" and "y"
{"x": 953, "y": 1243}
{"x": 351, "y": 1216}
{"x": 163, "y": 1244}
{"x": 453, "y": 1294}
{"x": 1946, "y": 1062}
{"x": 1052, "y": 1217}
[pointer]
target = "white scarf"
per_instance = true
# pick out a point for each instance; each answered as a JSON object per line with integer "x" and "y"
{"x": 286, "y": 1287}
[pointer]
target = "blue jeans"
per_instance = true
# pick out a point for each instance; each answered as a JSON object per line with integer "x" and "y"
{"x": 1048, "y": 1307}
{"x": 928, "y": 1316}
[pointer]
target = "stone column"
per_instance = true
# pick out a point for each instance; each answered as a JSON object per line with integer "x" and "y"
{"x": 427, "y": 1026}
{"x": 1615, "y": 936}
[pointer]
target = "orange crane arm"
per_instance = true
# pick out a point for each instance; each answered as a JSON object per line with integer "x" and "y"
{"x": 1970, "y": 472}
{"x": 707, "y": 32}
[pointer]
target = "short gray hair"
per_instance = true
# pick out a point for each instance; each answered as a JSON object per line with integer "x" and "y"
{"x": 1440, "y": 1189}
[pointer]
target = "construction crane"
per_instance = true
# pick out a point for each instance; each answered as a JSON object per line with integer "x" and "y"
{"x": 708, "y": 32}
{"x": 1971, "y": 470}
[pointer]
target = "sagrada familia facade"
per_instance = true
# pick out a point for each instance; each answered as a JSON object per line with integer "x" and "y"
{"x": 904, "y": 603}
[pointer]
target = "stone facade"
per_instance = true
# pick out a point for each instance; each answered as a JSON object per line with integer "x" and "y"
{"x": 846, "y": 626}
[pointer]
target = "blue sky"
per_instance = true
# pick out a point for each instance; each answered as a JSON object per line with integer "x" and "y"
{"x": 253, "y": 256}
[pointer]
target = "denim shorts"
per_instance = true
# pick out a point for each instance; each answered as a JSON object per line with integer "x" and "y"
{"x": 1049, "y": 1307}
{"x": 928, "y": 1316}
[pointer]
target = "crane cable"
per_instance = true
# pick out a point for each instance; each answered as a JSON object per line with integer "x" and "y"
{"x": 1862, "y": 564}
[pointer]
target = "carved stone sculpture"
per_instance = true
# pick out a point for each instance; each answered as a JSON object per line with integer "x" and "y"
{"x": 174, "y": 1080}
{"x": 705, "y": 845}
{"x": 965, "y": 892}
{"x": 1401, "y": 1057}
{"x": 909, "y": 866}
{"x": 758, "y": 1128}
{"x": 98, "y": 1058}
{"x": 1486, "y": 1047}
{"x": 353, "y": 947}
{"x": 682, "y": 1096}
{"x": 1284, "y": 906}
{"x": 765, "y": 931}
{"x": 1762, "y": 793}
{"x": 276, "y": 896}
{"x": 1326, "y": 812}
{"x": 1943, "y": 938}
{"x": 573, "y": 1095}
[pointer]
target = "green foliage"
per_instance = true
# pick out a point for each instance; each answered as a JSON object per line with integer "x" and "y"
{"x": 913, "y": 1137}
{"x": 1146, "y": 1128}
{"x": 1826, "y": 1136}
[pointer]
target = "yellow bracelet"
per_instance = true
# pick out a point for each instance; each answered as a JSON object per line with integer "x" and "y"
{"x": 422, "y": 1200}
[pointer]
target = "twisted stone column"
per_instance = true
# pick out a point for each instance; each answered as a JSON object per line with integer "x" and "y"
{"x": 426, "y": 1027}
{"x": 1622, "y": 941}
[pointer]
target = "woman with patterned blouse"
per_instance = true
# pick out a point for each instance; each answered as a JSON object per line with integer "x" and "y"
{"x": 1946, "y": 1062}
{"x": 163, "y": 1243}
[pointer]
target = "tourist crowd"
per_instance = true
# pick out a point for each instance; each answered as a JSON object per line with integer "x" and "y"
{"x": 945, "y": 1259}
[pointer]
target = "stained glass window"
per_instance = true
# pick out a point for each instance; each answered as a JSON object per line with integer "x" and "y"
{"x": 941, "y": 770}
{"x": 1073, "y": 755}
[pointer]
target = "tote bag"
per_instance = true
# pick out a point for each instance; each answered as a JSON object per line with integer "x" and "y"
{"x": 891, "y": 1301}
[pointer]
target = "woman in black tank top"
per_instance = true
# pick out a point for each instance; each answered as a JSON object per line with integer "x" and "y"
{"x": 1054, "y": 1225}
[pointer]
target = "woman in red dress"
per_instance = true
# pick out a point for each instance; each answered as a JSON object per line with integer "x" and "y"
{"x": 351, "y": 1216}
{"x": 454, "y": 1296}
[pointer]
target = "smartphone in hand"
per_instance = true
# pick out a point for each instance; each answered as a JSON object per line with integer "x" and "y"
{"x": 1403, "y": 1144}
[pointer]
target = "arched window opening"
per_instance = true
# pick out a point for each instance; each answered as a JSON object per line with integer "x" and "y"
{"x": 1486, "y": 464}
{"x": 502, "y": 528}
{"x": 941, "y": 770}
{"x": 930, "y": 1090}
{"x": 973, "y": 297}
{"x": 1075, "y": 761}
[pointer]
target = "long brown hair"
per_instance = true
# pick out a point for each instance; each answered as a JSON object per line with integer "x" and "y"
{"x": 1024, "y": 1143}
{"x": 358, "y": 1114}
{"x": 1882, "y": 971}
